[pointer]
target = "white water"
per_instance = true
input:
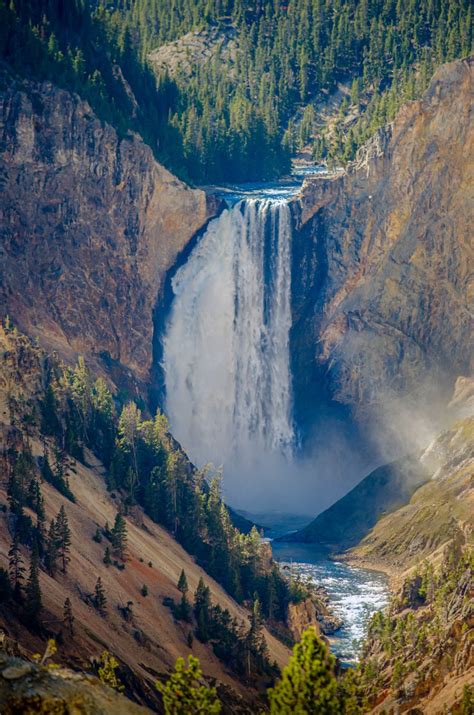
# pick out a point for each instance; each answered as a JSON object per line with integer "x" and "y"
{"x": 226, "y": 347}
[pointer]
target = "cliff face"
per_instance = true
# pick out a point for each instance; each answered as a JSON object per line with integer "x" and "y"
{"x": 383, "y": 260}
{"x": 90, "y": 223}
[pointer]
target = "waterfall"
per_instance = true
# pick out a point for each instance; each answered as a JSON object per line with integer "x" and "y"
{"x": 226, "y": 344}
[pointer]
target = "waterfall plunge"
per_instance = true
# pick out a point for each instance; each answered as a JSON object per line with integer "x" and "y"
{"x": 226, "y": 352}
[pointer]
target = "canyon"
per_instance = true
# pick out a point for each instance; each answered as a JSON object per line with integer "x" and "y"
{"x": 94, "y": 231}
{"x": 381, "y": 286}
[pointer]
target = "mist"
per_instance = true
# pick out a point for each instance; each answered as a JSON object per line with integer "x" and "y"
{"x": 228, "y": 383}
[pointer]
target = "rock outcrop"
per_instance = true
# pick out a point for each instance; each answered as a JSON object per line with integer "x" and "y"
{"x": 383, "y": 261}
{"x": 29, "y": 688}
{"x": 90, "y": 223}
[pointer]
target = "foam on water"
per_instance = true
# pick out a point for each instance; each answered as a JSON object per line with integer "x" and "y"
{"x": 355, "y": 594}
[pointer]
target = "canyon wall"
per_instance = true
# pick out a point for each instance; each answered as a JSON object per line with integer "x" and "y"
{"x": 383, "y": 282}
{"x": 90, "y": 223}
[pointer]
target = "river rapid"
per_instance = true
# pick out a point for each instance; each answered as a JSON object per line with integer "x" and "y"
{"x": 355, "y": 593}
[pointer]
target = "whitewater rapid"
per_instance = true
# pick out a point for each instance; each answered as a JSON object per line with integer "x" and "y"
{"x": 226, "y": 344}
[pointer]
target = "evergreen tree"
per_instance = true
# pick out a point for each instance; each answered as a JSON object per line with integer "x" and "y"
{"x": 97, "y": 536}
{"x": 16, "y": 568}
{"x": 185, "y": 691}
{"x": 68, "y": 617}
{"x": 202, "y": 611}
{"x": 128, "y": 429}
{"x": 119, "y": 536}
{"x": 33, "y": 605}
{"x": 183, "y": 582}
{"x": 52, "y": 549}
{"x": 308, "y": 683}
{"x": 63, "y": 533}
{"x": 100, "y": 600}
{"x": 107, "y": 558}
{"x": 183, "y": 612}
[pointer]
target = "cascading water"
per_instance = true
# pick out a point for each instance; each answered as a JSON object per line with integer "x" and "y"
{"x": 226, "y": 347}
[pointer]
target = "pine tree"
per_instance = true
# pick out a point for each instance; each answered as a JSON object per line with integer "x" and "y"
{"x": 100, "y": 600}
{"x": 128, "y": 429}
{"x": 68, "y": 617}
{"x": 183, "y": 582}
{"x": 119, "y": 536}
{"x": 52, "y": 548}
{"x": 183, "y": 612}
{"x": 308, "y": 683}
{"x": 107, "y": 558}
{"x": 33, "y": 605}
{"x": 202, "y": 611}
{"x": 16, "y": 568}
{"x": 63, "y": 538}
{"x": 185, "y": 691}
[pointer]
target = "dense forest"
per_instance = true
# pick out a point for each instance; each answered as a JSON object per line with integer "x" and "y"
{"x": 239, "y": 118}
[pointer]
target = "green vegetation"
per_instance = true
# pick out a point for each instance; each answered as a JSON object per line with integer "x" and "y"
{"x": 240, "y": 646}
{"x": 107, "y": 671}
{"x": 235, "y": 119}
{"x": 58, "y": 543}
{"x": 119, "y": 537}
{"x": 99, "y": 598}
{"x": 425, "y": 625}
{"x": 145, "y": 466}
{"x": 308, "y": 683}
{"x": 33, "y": 604}
{"x": 186, "y": 693}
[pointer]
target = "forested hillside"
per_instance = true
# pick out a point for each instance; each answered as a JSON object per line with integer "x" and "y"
{"x": 233, "y": 119}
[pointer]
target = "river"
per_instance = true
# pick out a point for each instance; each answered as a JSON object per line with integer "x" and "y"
{"x": 355, "y": 593}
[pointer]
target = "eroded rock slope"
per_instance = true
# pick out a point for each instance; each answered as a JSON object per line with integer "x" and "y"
{"x": 383, "y": 262}
{"x": 90, "y": 223}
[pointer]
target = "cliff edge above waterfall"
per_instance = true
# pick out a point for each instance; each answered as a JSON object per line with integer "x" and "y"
{"x": 383, "y": 260}
{"x": 90, "y": 223}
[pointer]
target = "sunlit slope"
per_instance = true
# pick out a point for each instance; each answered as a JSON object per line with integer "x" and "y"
{"x": 439, "y": 511}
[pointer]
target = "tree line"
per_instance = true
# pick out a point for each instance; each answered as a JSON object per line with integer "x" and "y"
{"x": 235, "y": 119}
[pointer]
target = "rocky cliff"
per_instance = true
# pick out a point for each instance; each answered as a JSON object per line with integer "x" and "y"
{"x": 383, "y": 257}
{"x": 90, "y": 223}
